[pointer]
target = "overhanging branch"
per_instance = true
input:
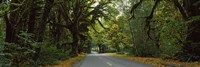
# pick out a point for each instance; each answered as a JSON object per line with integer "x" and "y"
{"x": 94, "y": 29}
{"x": 65, "y": 15}
{"x": 134, "y": 7}
{"x": 181, "y": 9}
{"x": 101, "y": 24}
{"x": 148, "y": 18}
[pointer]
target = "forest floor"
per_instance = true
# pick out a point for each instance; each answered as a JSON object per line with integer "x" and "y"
{"x": 69, "y": 62}
{"x": 157, "y": 61}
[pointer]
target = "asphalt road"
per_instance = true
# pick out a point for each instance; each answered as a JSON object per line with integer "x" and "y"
{"x": 101, "y": 60}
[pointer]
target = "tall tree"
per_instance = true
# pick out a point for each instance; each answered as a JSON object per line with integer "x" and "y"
{"x": 78, "y": 15}
{"x": 189, "y": 10}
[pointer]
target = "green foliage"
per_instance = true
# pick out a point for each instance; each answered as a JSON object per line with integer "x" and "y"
{"x": 142, "y": 44}
{"x": 170, "y": 29}
{"x": 194, "y": 18}
{"x": 20, "y": 52}
{"x": 1, "y": 41}
{"x": 167, "y": 30}
{"x": 48, "y": 55}
{"x": 4, "y": 9}
{"x": 3, "y": 61}
{"x": 51, "y": 55}
{"x": 171, "y": 44}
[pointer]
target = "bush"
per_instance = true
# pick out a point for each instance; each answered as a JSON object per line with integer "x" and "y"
{"x": 51, "y": 55}
{"x": 4, "y": 62}
{"x": 171, "y": 38}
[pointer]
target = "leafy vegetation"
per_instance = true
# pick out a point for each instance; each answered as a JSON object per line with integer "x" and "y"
{"x": 43, "y": 32}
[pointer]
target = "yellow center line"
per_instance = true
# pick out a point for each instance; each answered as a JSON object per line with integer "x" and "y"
{"x": 109, "y": 64}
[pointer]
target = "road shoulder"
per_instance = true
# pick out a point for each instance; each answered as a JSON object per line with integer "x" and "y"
{"x": 158, "y": 62}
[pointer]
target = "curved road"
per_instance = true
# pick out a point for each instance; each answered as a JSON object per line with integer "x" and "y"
{"x": 101, "y": 60}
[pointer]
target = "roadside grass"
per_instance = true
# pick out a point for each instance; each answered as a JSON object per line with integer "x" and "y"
{"x": 69, "y": 62}
{"x": 158, "y": 62}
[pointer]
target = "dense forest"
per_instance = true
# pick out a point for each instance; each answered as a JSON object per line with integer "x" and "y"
{"x": 41, "y": 32}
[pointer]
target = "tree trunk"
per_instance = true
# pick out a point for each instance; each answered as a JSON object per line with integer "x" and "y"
{"x": 42, "y": 26}
{"x": 80, "y": 46}
{"x": 9, "y": 31}
{"x": 74, "y": 51}
{"x": 75, "y": 34}
{"x": 43, "y": 22}
{"x": 32, "y": 17}
{"x": 100, "y": 48}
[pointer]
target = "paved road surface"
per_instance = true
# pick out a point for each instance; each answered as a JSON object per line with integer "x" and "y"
{"x": 101, "y": 60}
